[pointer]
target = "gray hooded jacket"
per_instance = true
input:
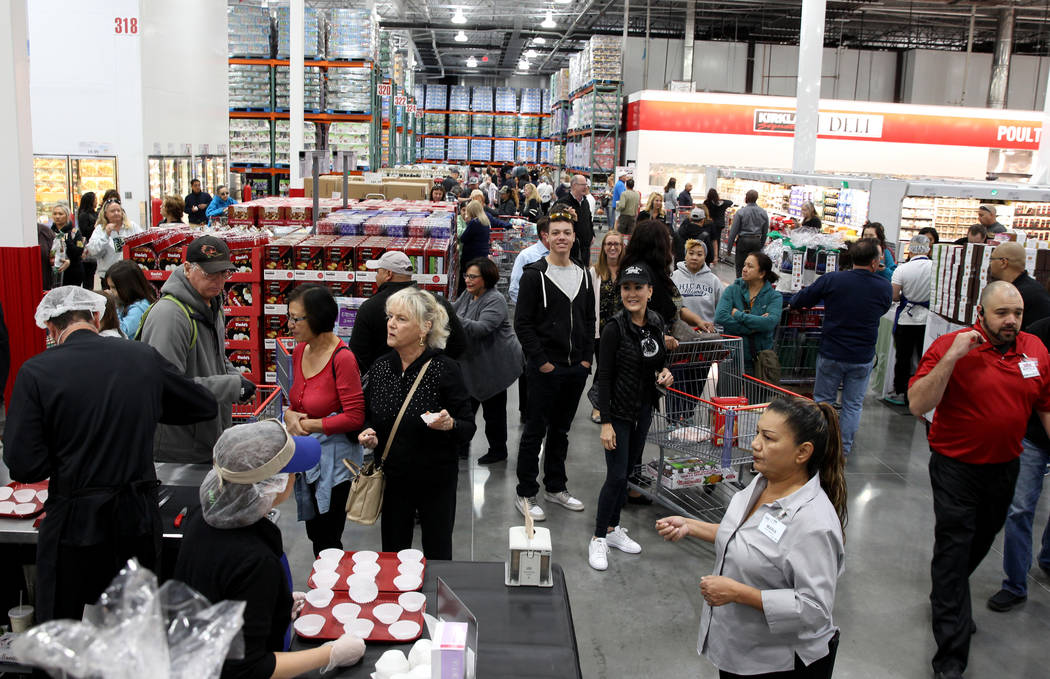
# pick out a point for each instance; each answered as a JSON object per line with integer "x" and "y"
{"x": 700, "y": 290}
{"x": 167, "y": 330}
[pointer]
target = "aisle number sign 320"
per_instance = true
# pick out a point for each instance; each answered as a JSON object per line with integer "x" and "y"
{"x": 126, "y": 25}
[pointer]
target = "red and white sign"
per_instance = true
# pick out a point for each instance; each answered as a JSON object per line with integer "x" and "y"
{"x": 400, "y": 100}
{"x": 410, "y": 108}
{"x": 383, "y": 89}
{"x": 895, "y": 123}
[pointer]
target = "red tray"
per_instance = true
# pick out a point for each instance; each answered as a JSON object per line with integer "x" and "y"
{"x": 387, "y": 562}
{"x": 333, "y": 629}
{"x": 38, "y": 505}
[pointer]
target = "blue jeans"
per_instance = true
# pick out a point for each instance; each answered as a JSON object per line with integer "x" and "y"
{"x": 854, "y": 380}
{"x": 1017, "y": 540}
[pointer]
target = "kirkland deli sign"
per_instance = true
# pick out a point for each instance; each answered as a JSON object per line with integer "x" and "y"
{"x": 830, "y": 124}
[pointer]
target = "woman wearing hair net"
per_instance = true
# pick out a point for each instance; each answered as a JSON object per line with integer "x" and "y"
{"x": 231, "y": 551}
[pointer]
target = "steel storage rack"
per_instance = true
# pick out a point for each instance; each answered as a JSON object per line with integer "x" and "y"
{"x": 703, "y": 429}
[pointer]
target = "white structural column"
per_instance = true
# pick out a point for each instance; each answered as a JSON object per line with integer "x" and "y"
{"x": 16, "y": 134}
{"x": 807, "y": 92}
{"x": 1041, "y": 166}
{"x": 296, "y": 75}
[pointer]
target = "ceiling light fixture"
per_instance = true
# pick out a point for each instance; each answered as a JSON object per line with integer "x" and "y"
{"x": 458, "y": 17}
{"x": 461, "y": 37}
{"x": 531, "y": 54}
{"x": 549, "y": 21}
{"x": 562, "y": 2}
{"x": 472, "y": 62}
{"x": 539, "y": 40}
{"x": 523, "y": 65}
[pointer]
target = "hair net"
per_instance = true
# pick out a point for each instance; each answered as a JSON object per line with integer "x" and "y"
{"x": 68, "y": 298}
{"x": 919, "y": 245}
{"x": 242, "y": 448}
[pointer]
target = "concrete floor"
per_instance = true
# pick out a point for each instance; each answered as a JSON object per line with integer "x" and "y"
{"x": 641, "y": 615}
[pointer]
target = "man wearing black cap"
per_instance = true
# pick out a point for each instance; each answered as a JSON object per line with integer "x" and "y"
{"x": 188, "y": 328}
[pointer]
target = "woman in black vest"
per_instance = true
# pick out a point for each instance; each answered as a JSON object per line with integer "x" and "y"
{"x": 631, "y": 365}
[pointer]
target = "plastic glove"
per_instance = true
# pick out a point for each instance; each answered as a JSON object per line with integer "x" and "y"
{"x": 247, "y": 389}
{"x": 298, "y": 602}
{"x": 346, "y": 650}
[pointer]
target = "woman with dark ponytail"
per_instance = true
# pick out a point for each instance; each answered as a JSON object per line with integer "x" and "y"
{"x": 778, "y": 551}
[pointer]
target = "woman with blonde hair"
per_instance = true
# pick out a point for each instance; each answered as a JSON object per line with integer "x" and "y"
{"x": 654, "y": 208}
{"x": 107, "y": 242}
{"x": 532, "y": 209}
{"x": 418, "y": 449}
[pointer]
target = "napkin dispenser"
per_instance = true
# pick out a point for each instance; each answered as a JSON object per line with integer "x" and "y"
{"x": 530, "y": 556}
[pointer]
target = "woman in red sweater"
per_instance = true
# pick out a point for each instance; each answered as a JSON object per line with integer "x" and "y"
{"x": 326, "y": 402}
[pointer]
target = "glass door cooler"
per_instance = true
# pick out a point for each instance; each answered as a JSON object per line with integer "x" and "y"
{"x": 211, "y": 170}
{"x": 168, "y": 176}
{"x": 92, "y": 173}
{"x": 51, "y": 180}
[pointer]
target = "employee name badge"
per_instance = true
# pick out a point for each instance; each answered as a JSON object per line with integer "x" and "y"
{"x": 1029, "y": 368}
{"x": 772, "y": 527}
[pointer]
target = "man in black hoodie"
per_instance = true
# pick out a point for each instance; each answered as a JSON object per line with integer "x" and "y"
{"x": 554, "y": 321}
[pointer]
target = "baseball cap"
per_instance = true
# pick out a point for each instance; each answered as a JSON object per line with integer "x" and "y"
{"x": 391, "y": 260}
{"x": 210, "y": 253}
{"x": 636, "y": 273}
{"x": 697, "y": 213}
{"x": 987, "y": 208}
{"x": 243, "y": 447}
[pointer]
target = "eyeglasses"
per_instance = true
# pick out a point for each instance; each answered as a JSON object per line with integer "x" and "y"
{"x": 218, "y": 275}
{"x": 471, "y": 276}
{"x": 292, "y": 320}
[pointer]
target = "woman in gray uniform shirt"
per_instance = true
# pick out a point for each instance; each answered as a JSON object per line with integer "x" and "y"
{"x": 779, "y": 552}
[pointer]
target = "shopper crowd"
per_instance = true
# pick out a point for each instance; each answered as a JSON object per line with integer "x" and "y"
{"x": 407, "y": 387}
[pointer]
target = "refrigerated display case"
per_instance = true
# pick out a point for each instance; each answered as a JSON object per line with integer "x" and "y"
{"x": 168, "y": 176}
{"x": 92, "y": 173}
{"x": 51, "y": 179}
{"x": 211, "y": 170}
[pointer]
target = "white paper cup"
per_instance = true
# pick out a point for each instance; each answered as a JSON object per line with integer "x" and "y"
{"x": 345, "y": 612}
{"x": 412, "y": 601}
{"x": 368, "y": 569}
{"x": 410, "y": 568}
{"x": 319, "y": 598}
{"x": 42, "y": 495}
{"x": 24, "y": 495}
{"x": 7, "y": 507}
{"x": 21, "y": 618}
{"x": 359, "y": 627}
{"x": 25, "y": 508}
{"x": 407, "y": 583}
{"x": 390, "y": 663}
{"x": 360, "y": 580}
{"x": 325, "y": 579}
{"x": 406, "y": 555}
{"x": 420, "y": 654}
{"x": 321, "y": 565}
{"x": 309, "y": 625}
{"x": 387, "y": 613}
{"x": 365, "y": 556}
{"x": 6, "y": 492}
{"x": 331, "y": 554}
{"x": 404, "y": 629}
{"x": 364, "y": 594}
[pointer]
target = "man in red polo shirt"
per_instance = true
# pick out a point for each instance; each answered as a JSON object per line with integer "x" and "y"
{"x": 984, "y": 382}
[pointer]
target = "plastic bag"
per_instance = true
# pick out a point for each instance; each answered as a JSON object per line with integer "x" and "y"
{"x": 139, "y": 630}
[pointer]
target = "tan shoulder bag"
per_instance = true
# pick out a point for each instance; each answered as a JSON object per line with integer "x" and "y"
{"x": 365, "y": 501}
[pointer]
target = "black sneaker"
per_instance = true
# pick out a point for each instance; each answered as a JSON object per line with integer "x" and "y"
{"x": 491, "y": 458}
{"x": 948, "y": 674}
{"x": 1003, "y": 601}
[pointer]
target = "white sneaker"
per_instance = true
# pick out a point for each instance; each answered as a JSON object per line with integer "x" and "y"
{"x": 598, "y": 554}
{"x": 618, "y": 539}
{"x": 535, "y": 511}
{"x": 564, "y": 499}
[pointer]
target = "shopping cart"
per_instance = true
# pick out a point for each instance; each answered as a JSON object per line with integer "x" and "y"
{"x": 703, "y": 429}
{"x": 285, "y": 347}
{"x": 797, "y": 341}
{"x": 505, "y": 246}
{"x": 265, "y": 405}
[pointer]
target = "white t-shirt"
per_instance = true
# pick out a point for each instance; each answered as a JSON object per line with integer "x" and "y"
{"x": 567, "y": 278}
{"x": 914, "y": 278}
{"x": 545, "y": 192}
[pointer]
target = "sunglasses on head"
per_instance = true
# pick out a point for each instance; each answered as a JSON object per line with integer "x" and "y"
{"x": 561, "y": 217}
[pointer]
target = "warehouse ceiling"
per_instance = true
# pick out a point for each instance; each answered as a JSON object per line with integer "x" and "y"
{"x": 499, "y": 32}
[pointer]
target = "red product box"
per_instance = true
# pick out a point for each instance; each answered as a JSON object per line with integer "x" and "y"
{"x": 437, "y": 255}
{"x": 243, "y": 299}
{"x": 279, "y": 253}
{"x": 242, "y": 332}
{"x": 242, "y": 214}
{"x": 299, "y": 213}
{"x": 310, "y": 253}
{"x": 273, "y": 326}
{"x": 340, "y": 255}
{"x": 416, "y": 249}
{"x": 276, "y": 292}
{"x": 271, "y": 214}
{"x": 372, "y": 247}
{"x": 723, "y": 405}
{"x": 247, "y": 362}
{"x": 341, "y": 288}
{"x": 270, "y": 360}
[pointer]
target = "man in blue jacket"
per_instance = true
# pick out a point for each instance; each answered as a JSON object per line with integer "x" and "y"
{"x": 854, "y": 301}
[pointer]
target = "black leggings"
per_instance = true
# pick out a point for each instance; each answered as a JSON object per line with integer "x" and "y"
{"x": 619, "y": 463}
{"x": 818, "y": 669}
{"x": 326, "y": 530}
{"x": 433, "y": 494}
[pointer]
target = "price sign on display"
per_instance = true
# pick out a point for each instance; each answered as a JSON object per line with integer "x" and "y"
{"x": 411, "y": 108}
{"x": 400, "y": 100}
{"x": 383, "y": 89}
{"x": 126, "y": 25}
